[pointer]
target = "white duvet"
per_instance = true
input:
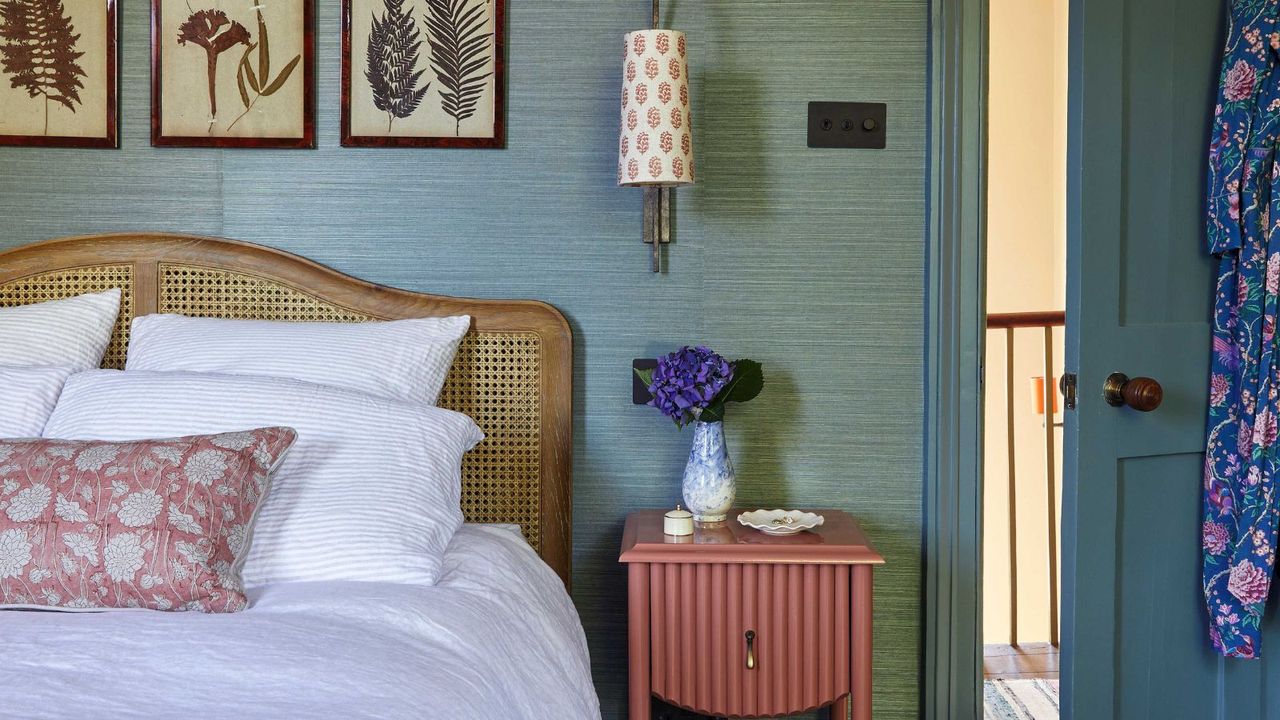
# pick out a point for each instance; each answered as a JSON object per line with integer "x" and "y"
{"x": 497, "y": 636}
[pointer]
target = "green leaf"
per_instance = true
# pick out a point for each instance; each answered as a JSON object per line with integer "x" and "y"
{"x": 747, "y": 382}
{"x": 645, "y": 375}
{"x": 713, "y": 412}
{"x": 284, "y": 76}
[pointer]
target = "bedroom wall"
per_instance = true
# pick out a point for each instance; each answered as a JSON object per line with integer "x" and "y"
{"x": 809, "y": 261}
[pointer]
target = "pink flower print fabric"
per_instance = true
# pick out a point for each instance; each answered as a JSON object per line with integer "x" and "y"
{"x": 1242, "y": 455}
{"x": 155, "y": 524}
{"x": 655, "y": 105}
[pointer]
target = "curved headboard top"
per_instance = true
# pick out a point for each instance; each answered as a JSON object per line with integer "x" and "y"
{"x": 513, "y": 373}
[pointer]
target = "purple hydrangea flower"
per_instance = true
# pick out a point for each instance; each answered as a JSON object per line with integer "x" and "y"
{"x": 688, "y": 380}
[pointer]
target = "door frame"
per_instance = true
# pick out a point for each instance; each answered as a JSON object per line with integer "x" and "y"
{"x": 955, "y": 288}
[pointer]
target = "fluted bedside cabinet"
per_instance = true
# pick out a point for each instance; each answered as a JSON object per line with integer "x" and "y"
{"x": 732, "y": 622}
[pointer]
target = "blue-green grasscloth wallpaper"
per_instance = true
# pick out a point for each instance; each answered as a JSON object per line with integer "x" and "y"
{"x": 810, "y": 261}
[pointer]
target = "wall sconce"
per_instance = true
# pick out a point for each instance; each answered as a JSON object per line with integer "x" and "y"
{"x": 655, "y": 149}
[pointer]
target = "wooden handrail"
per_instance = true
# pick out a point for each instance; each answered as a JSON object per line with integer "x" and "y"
{"x": 1046, "y": 318}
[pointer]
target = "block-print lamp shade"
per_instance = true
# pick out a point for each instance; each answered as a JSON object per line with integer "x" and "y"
{"x": 655, "y": 147}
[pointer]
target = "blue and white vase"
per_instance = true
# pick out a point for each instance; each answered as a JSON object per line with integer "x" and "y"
{"x": 710, "y": 486}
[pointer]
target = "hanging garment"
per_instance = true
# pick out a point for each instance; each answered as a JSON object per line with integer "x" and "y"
{"x": 1240, "y": 504}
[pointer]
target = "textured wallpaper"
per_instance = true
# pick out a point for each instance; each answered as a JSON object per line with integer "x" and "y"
{"x": 810, "y": 261}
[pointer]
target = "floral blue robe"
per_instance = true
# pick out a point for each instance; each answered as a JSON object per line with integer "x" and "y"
{"x": 1240, "y": 508}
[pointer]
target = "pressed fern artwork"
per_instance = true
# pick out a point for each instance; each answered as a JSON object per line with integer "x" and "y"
{"x": 392, "y": 62}
{"x": 253, "y": 84}
{"x": 460, "y": 54}
{"x": 38, "y": 53}
{"x": 423, "y": 73}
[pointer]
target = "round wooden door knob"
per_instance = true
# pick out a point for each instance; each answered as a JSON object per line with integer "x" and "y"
{"x": 1143, "y": 394}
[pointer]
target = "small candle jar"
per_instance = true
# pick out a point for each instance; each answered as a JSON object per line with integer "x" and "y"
{"x": 678, "y": 522}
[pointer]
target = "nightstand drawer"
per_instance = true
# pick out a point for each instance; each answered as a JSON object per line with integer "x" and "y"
{"x": 798, "y": 655}
{"x": 806, "y": 599}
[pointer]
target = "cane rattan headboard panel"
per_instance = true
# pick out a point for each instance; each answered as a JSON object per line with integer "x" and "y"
{"x": 513, "y": 373}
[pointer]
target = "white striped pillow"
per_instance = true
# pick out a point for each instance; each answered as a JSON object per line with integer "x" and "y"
{"x": 400, "y": 359}
{"x": 73, "y": 332}
{"x": 27, "y": 397}
{"x": 370, "y": 491}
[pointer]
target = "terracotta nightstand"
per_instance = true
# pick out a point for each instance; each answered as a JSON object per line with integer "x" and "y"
{"x": 732, "y": 622}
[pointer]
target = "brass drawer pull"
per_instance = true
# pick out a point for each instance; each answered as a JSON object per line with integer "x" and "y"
{"x": 751, "y": 649}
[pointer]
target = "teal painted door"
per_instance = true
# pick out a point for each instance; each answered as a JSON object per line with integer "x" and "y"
{"x": 1143, "y": 76}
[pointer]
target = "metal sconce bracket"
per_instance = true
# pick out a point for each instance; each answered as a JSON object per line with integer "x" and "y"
{"x": 657, "y": 221}
{"x": 657, "y": 202}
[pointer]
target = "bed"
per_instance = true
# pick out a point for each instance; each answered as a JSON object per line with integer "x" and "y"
{"x": 498, "y": 630}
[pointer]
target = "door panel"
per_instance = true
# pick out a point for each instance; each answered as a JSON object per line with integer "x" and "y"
{"x": 1143, "y": 74}
{"x": 1160, "y": 189}
{"x": 1160, "y": 579}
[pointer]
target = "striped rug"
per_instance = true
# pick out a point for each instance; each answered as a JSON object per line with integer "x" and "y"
{"x": 1020, "y": 699}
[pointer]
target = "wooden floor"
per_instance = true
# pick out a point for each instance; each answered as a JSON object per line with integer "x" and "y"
{"x": 1030, "y": 661}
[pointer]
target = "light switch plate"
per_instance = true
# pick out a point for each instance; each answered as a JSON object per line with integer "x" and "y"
{"x": 847, "y": 125}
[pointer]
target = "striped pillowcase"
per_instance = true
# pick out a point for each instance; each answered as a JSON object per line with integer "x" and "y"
{"x": 73, "y": 332}
{"x": 370, "y": 491}
{"x": 400, "y": 359}
{"x": 27, "y": 398}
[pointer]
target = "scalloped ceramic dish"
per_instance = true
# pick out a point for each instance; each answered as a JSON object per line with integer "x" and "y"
{"x": 780, "y": 522}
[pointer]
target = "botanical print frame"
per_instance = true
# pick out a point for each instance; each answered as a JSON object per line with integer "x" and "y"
{"x": 77, "y": 39}
{"x": 253, "y": 86}
{"x": 423, "y": 73}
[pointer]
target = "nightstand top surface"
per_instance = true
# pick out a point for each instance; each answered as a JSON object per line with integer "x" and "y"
{"x": 838, "y": 540}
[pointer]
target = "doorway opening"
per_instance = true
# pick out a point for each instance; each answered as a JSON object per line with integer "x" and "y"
{"x": 1025, "y": 262}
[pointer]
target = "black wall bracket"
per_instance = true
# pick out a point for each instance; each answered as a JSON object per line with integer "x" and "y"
{"x": 639, "y": 391}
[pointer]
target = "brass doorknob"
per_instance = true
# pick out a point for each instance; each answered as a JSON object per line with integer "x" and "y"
{"x": 1143, "y": 394}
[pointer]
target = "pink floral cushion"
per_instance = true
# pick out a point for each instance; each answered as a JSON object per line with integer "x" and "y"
{"x": 158, "y": 524}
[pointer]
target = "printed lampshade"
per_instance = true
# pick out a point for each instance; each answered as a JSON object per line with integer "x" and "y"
{"x": 656, "y": 143}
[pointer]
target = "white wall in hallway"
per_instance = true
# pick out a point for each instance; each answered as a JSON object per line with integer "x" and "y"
{"x": 1026, "y": 246}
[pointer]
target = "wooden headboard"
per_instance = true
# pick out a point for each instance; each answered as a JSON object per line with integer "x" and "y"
{"x": 513, "y": 372}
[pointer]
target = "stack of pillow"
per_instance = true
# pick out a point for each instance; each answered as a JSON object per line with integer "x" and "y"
{"x": 228, "y": 454}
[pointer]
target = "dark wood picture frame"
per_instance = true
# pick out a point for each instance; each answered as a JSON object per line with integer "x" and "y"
{"x": 499, "y": 137}
{"x": 306, "y": 141}
{"x": 111, "y": 140}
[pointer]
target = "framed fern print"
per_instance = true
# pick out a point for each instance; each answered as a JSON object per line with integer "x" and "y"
{"x": 233, "y": 73}
{"x": 58, "y": 73}
{"x": 423, "y": 73}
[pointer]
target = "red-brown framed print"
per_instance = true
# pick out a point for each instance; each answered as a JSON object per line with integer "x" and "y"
{"x": 59, "y": 73}
{"x": 423, "y": 73}
{"x": 233, "y": 74}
